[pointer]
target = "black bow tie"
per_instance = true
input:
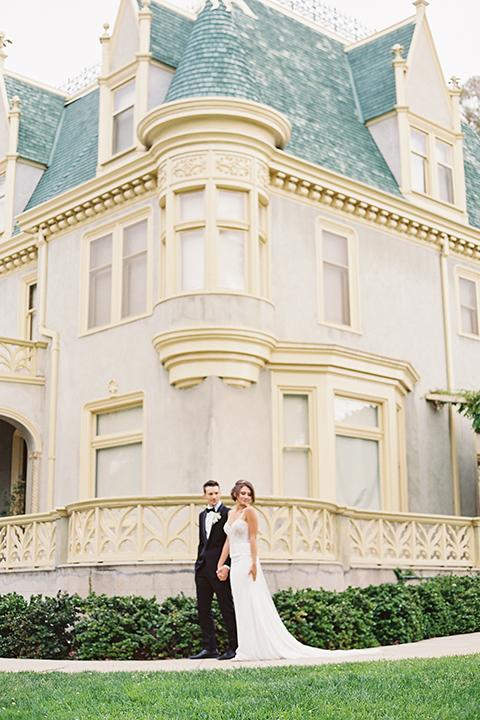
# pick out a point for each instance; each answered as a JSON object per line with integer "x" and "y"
{"x": 210, "y": 509}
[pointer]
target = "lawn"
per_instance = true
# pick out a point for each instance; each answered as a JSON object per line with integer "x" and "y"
{"x": 447, "y": 688}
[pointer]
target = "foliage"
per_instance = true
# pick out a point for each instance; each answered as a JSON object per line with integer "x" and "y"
{"x": 470, "y": 102}
{"x": 471, "y": 407}
{"x": 122, "y": 628}
{"x": 419, "y": 689}
{"x": 37, "y": 628}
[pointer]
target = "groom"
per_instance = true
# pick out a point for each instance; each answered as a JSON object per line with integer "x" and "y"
{"x": 212, "y": 539}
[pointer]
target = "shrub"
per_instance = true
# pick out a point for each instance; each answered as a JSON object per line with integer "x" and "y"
{"x": 396, "y": 616}
{"x": 118, "y": 628}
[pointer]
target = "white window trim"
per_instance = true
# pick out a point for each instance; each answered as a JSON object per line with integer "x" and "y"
{"x": 467, "y": 274}
{"x": 212, "y": 225}
{"x": 280, "y": 391}
{"x": 113, "y": 90}
{"x": 88, "y": 447}
{"x": 353, "y": 282}
{"x": 115, "y": 227}
{"x": 23, "y": 310}
{"x": 431, "y": 174}
{"x": 324, "y": 384}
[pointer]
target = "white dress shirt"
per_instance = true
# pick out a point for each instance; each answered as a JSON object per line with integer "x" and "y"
{"x": 209, "y": 519}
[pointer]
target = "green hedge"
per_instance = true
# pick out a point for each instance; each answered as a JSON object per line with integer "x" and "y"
{"x": 122, "y": 628}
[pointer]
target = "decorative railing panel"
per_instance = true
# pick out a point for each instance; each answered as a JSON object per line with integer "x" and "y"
{"x": 387, "y": 539}
{"x": 27, "y": 544}
{"x": 18, "y": 358}
{"x": 146, "y": 530}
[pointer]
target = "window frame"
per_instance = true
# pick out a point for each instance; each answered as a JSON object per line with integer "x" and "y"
{"x": 464, "y": 273}
{"x": 324, "y": 383}
{"x": 113, "y": 89}
{"x": 3, "y": 193}
{"x": 90, "y": 442}
{"x": 365, "y": 432}
{"x": 115, "y": 228}
{"x": 25, "y": 323}
{"x": 212, "y": 224}
{"x": 432, "y": 164}
{"x": 311, "y": 393}
{"x": 349, "y": 233}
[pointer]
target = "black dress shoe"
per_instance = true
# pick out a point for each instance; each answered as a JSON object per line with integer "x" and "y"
{"x": 227, "y": 655}
{"x": 204, "y": 654}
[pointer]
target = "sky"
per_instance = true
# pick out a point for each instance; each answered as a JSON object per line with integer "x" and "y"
{"x": 54, "y": 40}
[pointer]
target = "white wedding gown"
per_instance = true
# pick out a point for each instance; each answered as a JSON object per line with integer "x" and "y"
{"x": 261, "y": 633}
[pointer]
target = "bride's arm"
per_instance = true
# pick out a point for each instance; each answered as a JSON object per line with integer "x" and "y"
{"x": 252, "y": 520}
{"x": 221, "y": 571}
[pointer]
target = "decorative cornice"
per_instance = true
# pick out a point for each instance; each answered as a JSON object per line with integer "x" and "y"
{"x": 384, "y": 217}
{"x": 97, "y": 205}
{"x": 18, "y": 259}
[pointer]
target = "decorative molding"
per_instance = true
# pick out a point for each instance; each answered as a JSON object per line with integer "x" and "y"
{"x": 162, "y": 176}
{"x": 98, "y": 205}
{"x": 18, "y": 259}
{"x": 263, "y": 174}
{"x": 27, "y": 542}
{"x": 187, "y": 166}
{"x": 18, "y": 360}
{"x": 234, "y": 354}
{"x": 233, "y": 165}
{"x": 375, "y": 214}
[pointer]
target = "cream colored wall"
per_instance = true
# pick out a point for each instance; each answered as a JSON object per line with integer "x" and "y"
{"x": 125, "y": 38}
{"x": 27, "y": 177}
{"x": 425, "y": 89}
{"x": 385, "y": 134}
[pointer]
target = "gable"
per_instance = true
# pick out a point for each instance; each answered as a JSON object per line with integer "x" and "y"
{"x": 425, "y": 90}
{"x": 125, "y": 38}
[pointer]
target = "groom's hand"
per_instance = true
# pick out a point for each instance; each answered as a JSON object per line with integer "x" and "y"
{"x": 222, "y": 573}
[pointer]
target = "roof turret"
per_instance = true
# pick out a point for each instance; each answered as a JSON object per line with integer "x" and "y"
{"x": 214, "y": 61}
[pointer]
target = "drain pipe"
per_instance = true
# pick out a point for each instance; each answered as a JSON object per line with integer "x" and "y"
{"x": 450, "y": 375}
{"x": 55, "y": 339}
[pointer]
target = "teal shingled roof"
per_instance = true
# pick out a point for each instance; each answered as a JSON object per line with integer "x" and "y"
{"x": 214, "y": 61}
{"x": 41, "y": 112}
{"x": 471, "y": 156}
{"x": 373, "y": 72}
{"x": 306, "y": 76}
{"x": 74, "y": 156}
{"x": 169, "y": 34}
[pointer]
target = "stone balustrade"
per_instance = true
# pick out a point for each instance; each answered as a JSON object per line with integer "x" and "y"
{"x": 165, "y": 530}
{"x": 19, "y": 360}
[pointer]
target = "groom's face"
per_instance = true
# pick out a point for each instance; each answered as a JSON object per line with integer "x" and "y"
{"x": 212, "y": 495}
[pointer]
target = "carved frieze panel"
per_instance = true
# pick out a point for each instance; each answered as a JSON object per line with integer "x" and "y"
{"x": 187, "y": 166}
{"x": 237, "y": 166}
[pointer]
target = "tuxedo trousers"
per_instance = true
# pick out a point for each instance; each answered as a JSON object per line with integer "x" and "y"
{"x": 207, "y": 586}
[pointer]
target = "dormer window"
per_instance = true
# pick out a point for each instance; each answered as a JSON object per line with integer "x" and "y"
{"x": 431, "y": 165}
{"x": 123, "y": 115}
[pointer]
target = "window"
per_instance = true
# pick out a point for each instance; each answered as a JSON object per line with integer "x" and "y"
{"x": 468, "y": 285}
{"x": 338, "y": 282}
{"x": 123, "y": 118}
{"x": 296, "y": 445}
{"x": 443, "y": 154}
{"x": 338, "y": 427}
{"x": 262, "y": 250}
{"x": 358, "y": 438}
{"x": 118, "y": 452}
{"x": 112, "y": 458}
{"x": 2, "y": 203}
{"x": 431, "y": 165}
{"x": 213, "y": 249}
{"x": 418, "y": 146}
{"x": 118, "y": 278}
{"x": 27, "y": 326}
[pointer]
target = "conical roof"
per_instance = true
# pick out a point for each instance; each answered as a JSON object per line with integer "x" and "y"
{"x": 214, "y": 61}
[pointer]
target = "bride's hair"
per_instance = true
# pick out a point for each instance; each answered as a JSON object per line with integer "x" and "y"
{"x": 238, "y": 486}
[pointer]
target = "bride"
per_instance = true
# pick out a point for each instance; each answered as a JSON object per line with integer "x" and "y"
{"x": 261, "y": 633}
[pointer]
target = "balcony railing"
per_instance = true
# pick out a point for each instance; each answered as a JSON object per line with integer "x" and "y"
{"x": 19, "y": 360}
{"x": 165, "y": 530}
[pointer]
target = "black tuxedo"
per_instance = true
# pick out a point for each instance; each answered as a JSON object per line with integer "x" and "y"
{"x": 208, "y": 584}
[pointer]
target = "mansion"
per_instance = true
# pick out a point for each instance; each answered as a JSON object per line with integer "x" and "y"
{"x": 249, "y": 249}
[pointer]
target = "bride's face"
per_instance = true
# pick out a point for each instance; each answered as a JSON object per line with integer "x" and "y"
{"x": 244, "y": 495}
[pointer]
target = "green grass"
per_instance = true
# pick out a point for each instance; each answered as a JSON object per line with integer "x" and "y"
{"x": 447, "y": 688}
